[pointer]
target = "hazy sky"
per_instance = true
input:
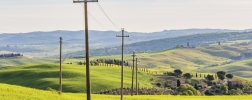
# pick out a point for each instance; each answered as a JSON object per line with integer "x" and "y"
{"x": 133, "y": 15}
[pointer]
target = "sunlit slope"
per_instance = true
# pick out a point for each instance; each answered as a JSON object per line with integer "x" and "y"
{"x": 24, "y": 61}
{"x": 189, "y": 59}
{"x": 12, "y": 92}
{"x": 74, "y": 77}
{"x": 240, "y": 68}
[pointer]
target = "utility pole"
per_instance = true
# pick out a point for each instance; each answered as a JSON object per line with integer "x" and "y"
{"x": 117, "y": 35}
{"x": 60, "y": 79}
{"x": 132, "y": 84}
{"x": 88, "y": 83}
{"x": 137, "y": 76}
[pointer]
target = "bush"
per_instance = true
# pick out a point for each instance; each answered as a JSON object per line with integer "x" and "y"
{"x": 235, "y": 92}
{"x": 208, "y": 92}
{"x": 50, "y": 89}
{"x": 158, "y": 84}
{"x": 186, "y": 87}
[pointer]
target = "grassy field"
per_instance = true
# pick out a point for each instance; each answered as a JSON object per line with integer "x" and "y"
{"x": 187, "y": 59}
{"x": 241, "y": 68}
{"x": 12, "y": 92}
{"x": 24, "y": 61}
{"x": 233, "y": 42}
{"x": 74, "y": 77}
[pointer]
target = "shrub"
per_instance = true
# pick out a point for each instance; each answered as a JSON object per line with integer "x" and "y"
{"x": 186, "y": 87}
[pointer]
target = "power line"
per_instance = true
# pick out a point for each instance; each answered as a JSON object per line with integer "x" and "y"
{"x": 98, "y": 4}
{"x": 95, "y": 19}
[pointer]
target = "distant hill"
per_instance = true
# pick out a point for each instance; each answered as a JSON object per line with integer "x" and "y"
{"x": 104, "y": 38}
{"x": 46, "y": 44}
{"x": 168, "y": 43}
{"x": 205, "y": 59}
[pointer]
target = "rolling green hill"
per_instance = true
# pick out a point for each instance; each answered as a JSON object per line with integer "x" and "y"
{"x": 240, "y": 68}
{"x": 184, "y": 58}
{"x": 12, "y": 92}
{"x": 74, "y": 77}
{"x": 171, "y": 42}
{"x": 23, "y": 61}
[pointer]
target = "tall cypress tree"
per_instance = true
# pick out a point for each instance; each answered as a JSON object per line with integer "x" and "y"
{"x": 178, "y": 83}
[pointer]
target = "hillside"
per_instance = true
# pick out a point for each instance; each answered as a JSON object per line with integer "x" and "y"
{"x": 12, "y": 92}
{"x": 187, "y": 59}
{"x": 74, "y": 77}
{"x": 169, "y": 43}
{"x": 240, "y": 68}
{"x": 24, "y": 61}
{"x": 41, "y": 37}
{"x": 46, "y": 44}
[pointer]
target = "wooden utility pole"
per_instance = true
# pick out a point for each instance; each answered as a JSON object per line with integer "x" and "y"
{"x": 136, "y": 76}
{"x": 60, "y": 79}
{"x": 132, "y": 84}
{"x": 122, "y": 60}
{"x": 88, "y": 83}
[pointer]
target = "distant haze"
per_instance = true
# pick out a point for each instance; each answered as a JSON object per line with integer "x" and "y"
{"x": 134, "y": 15}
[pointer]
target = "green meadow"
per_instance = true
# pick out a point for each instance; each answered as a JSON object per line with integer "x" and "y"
{"x": 186, "y": 59}
{"x": 74, "y": 77}
{"x": 13, "y": 92}
{"x": 24, "y": 61}
{"x": 241, "y": 68}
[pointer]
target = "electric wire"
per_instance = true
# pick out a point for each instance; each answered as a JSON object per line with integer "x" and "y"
{"x": 94, "y": 18}
{"x": 98, "y": 4}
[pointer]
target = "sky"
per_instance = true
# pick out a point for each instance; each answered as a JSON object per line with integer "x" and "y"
{"x": 20, "y": 16}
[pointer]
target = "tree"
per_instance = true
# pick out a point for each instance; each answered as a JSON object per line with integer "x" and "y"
{"x": 235, "y": 92}
{"x": 158, "y": 84}
{"x": 187, "y": 76}
{"x": 196, "y": 86}
{"x": 229, "y": 76}
{"x": 221, "y": 75}
{"x": 224, "y": 88}
{"x": 188, "y": 89}
{"x": 178, "y": 72}
{"x": 209, "y": 77}
{"x": 178, "y": 83}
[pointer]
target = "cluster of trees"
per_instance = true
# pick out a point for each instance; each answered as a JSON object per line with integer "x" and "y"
{"x": 111, "y": 63}
{"x": 10, "y": 55}
{"x": 104, "y": 62}
{"x": 184, "y": 89}
{"x": 141, "y": 91}
{"x": 232, "y": 87}
{"x": 228, "y": 87}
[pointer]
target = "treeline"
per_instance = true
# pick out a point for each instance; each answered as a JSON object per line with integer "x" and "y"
{"x": 105, "y": 62}
{"x": 168, "y": 43}
{"x": 10, "y": 55}
{"x": 112, "y": 63}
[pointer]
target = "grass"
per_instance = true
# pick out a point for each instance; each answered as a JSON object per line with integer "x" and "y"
{"x": 188, "y": 59}
{"x": 23, "y": 61}
{"x": 12, "y": 92}
{"x": 241, "y": 68}
{"x": 74, "y": 77}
